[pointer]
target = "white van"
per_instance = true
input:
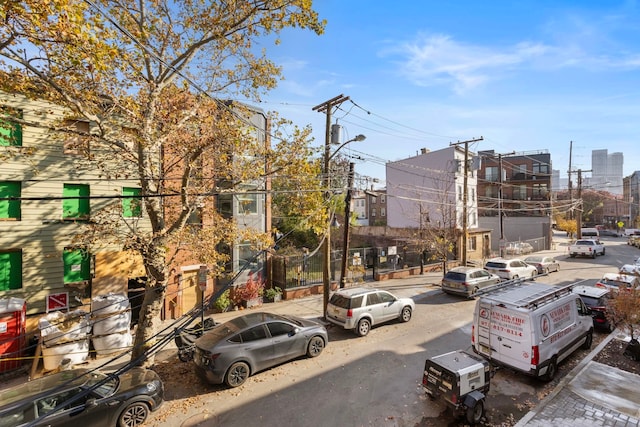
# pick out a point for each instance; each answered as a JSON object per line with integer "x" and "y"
{"x": 530, "y": 326}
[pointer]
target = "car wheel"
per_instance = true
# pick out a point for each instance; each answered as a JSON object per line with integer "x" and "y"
{"x": 405, "y": 314}
{"x": 315, "y": 347}
{"x": 364, "y": 325}
{"x": 588, "y": 341}
{"x": 237, "y": 374}
{"x": 557, "y": 267}
{"x": 603, "y": 252}
{"x": 514, "y": 277}
{"x": 474, "y": 415}
{"x": 552, "y": 370}
{"x": 594, "y": 255}
{"x": 133, "y": 415}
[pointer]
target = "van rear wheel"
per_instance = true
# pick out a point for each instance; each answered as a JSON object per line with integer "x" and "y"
{"x": 552, "y": 370}
{"x": 588, "y": 341}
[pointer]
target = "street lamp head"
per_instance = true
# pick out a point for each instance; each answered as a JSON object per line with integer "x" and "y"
{"x": 359, "y": 138}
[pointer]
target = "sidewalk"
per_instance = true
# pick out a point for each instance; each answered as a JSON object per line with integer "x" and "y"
{"x": 592, "y": 394}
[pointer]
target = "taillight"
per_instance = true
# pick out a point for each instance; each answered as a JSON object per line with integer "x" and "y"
{"x": 213, "y": 357}
{"x": 349, "y": 313}
{"x": 535, "y": 355}
{"x": 600, "y": 285}
{"x": 465, "y": 284}
{"x": 473, "y": 335}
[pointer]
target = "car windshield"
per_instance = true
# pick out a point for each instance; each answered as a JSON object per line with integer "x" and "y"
{"x": 104, "y": 385}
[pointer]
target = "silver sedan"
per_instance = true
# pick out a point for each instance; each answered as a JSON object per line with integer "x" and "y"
{"x": 544, "y": 264}
{"x": 234, "y": 350}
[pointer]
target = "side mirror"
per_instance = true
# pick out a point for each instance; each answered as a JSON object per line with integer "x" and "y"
{"x": 90, "y": 403}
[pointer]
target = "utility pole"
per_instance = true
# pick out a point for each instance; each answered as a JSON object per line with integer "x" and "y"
{"x": 465, "y": 196}
{"x": 347, "y": 214}
{"x": 327, "y": 107}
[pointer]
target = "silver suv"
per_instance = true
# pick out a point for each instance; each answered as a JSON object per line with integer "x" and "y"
{"x": 467, "y": 281}
{"x": 361, "y": 308}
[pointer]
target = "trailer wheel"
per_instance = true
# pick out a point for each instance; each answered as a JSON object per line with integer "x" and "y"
{"x": 475, "y": 414}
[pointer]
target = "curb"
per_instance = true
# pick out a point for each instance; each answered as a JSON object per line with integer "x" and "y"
{"x": 564, "y": 381}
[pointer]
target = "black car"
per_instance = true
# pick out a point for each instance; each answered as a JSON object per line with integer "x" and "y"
{"x": 83, "y": 397}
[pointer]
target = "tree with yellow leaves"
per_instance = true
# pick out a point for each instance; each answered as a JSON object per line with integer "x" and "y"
{"x": 151, "y": 76}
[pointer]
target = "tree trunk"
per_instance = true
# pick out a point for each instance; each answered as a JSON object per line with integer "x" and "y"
{"x": 155, "y": 290}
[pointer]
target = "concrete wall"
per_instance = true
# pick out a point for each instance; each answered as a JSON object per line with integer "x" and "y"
{"x": 518, "y": 229}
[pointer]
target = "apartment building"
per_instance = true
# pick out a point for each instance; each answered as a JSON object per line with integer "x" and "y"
{"x": 50, "y": 188}
{"x": 514, "y": 195}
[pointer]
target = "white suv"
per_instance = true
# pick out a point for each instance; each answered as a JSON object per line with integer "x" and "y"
{"x": 361, "y": 308}
{"x": 509, "y": 269}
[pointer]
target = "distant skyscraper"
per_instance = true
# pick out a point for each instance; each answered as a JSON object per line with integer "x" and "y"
{"x": 606, "y": 171}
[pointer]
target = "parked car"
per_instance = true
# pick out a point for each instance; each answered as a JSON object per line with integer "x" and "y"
{"x": 467, "y": 281}
{"x": 615, "y": 281}
{"x": 631, "y": 269}
{"x": 519, "y": 248}
{"x": 509, "y": 269}
{"x": 83, "y": 397}
{"x": 596, "y": 299}
{"x": 544, "y": 264}
{"x": 232, "y": 351}
{"x": 361, "y": 308}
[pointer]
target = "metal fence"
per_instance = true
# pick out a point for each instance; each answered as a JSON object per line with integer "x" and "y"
{"x": 362, "y": 265}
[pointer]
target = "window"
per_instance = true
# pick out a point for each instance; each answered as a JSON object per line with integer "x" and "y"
{"x": 10, "y": 270}
{"x": 386, "y": 297}
{"x": 383, "y": 199}
{"x": 10, "y": 131}
{"x": 254, "y": 334}
{"x": 225, "y": 205}
{"x": 195, "y": 219}
{"x": 10, "y": 209}
{"x": 472, "y": 243}
{"x": 78, "y": 206}
{"x": 540, "y": 168}
{"x": 373, "y": 212}
{"x": 248, "y": 203}
{"x": 383, "y": 212}
{"x": 520, "y": 192}
{"x": 540, "y": 190}
{"x": 279, "y": 328}
{"x": 373, "y": 299}
{"x": 75, "y": 143}
{"x": 491, "y": 173}
{"x": 131, "y": 202}
{"x": 491, "y": 191}
{"x": 77, "y": 265}
{"x": 373, "y": 200}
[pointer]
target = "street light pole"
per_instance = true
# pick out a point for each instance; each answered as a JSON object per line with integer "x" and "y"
{"x": 326, "y": 107}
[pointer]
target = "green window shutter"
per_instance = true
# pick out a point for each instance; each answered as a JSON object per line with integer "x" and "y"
{"x": 131, "y": 203}
{"x": 76, "y": 265}
{"x": 75, "y": 208}
{"x": 10, "y": 270}
{"x": 10, "y": 132}
{"x": 10, "y": 208}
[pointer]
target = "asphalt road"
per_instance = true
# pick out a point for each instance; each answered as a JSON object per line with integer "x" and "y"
{"x": 375, "y": 380}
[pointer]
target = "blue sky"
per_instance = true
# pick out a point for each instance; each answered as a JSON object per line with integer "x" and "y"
{"x": 526, "y": 76}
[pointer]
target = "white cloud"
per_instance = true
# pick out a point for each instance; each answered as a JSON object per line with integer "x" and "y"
{"x": 439, "y": 59}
